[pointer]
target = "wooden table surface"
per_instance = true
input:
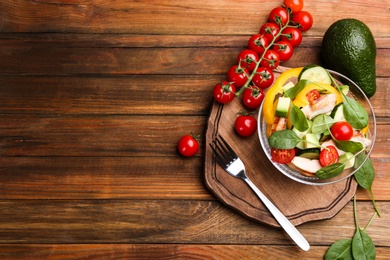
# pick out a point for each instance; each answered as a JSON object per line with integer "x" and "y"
{"x": 94, "y": 96}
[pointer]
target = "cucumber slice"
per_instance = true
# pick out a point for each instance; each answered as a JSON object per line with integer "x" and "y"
{"x": 311, "y": 154}
{"x": 315, "y": 73}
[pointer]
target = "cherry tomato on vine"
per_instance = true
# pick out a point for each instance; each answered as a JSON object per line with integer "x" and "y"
{"x": 279, "y": 15}
{"x": 313, "y": 95}
{"x": 247, "y": 59}
{"x": 258, "y": 43}
{"x": 342, "y": 131}
{"x": 293, "y": 5}
{"x": 224, "y": 92}
{"x": 329, "y": 155}
{"x": 188, "y": 145}
{"x": 303, "y": 19}
{"x": 238, "y": 76}
{"x": 271, "y": 59}
{"x": 263, "y": 78}
{"x": 292, "y": 35}
{"x": 282, "y": 155}
{"x": 284, "y": 49}
{"x": 270, "y": 30}
{"x": 245, "y": 125}
{"x": 252, "y": 97}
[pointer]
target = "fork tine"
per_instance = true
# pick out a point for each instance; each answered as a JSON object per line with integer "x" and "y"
{"x": 220, "y": 159}
{"x": 228, "y": 151}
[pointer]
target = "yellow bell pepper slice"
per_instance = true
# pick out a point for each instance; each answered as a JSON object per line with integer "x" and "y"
{"x": 301, "y": 100}
{"x": 274, "y": 90}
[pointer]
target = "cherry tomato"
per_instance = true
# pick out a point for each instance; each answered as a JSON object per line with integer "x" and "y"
{"x": 247, "y": 59}
{"x": 188, "y": 145}
{"x": 292, "y": 35}
{"x": 263, "y": 78}
{"x": 252, "y": 97}
{"x": 284, "y": 49}
{"x": 303, "y": 19}
{"x": 342, "y": 131}
{"x": 258, "y": 43}
{"x": 245, "y": 125}
{"x": 282, "y": 155}
{"x": 238, "y": 76}
{"x": 224, "y": 92}
{"x": 293, "y": 5}
{"x": 329, "y": 155}
{"x": 271, "y": 59}
{"x": 270, "y": 30}
{"x": 313, "y": 95}
{"x": 279, "y": 15}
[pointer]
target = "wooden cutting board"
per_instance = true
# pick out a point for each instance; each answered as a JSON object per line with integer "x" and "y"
{"x": 299, "y": 202}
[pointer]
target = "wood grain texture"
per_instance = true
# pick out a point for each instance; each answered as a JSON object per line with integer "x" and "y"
{"x": 94, "y": 96}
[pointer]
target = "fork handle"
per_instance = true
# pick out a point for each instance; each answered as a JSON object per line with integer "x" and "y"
{"x": 295, "y": 235}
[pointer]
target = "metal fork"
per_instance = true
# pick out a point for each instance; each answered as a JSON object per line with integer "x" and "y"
{"x": 229, "y": 160}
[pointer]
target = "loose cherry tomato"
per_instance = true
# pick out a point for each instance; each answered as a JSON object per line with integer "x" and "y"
{"x": 245, "y": 125}
{"x": 292, "y": 35}
{"x": 258, "y": 43}
{"x": 293, "y": 5}
{"x": 303, "y": 19}
{"x": 313, "y": 95}
{"x": 270, "y": 30}
{"x": 329, "y": 155}
{"x": 188, "y": 145}
{"x": 252, "y": 97}
{"x": 271, "y": 59}
{"x": 284, "y": 49}
{"x": 238, "y": 76}
{"x": 342, "y": 131}
{"x": 282, "y": 155}
{"x": 247, "y": 59}
{"x": 263, "y": 78}
{"x": 224, "y": 92}
{"x": 279, "y": 15}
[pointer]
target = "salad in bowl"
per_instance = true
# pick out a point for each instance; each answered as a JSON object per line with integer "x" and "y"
{"x": 316, "y": 126}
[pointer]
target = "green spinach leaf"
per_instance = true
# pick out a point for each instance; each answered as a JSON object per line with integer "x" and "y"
{"x": 341, "y": 249}
{"x": 298, "y": 118}
{"x": 355, "y": 113}
{"x": 362, "y": 246}
{"x": 330, "y": 171}
{"x": 321, "y": 124}
{"x": 349, "y": 146}
{"x": 294, "y": 91}
{"x": 284, "y": 139}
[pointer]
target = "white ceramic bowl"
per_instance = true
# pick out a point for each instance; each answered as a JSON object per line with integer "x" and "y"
{"x": 355, "y": 92}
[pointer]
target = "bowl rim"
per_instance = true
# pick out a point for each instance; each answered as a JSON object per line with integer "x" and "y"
{"x": 315, "y": 180}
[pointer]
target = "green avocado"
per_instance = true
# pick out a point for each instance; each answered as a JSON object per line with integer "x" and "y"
{"x": 348, "y": 47}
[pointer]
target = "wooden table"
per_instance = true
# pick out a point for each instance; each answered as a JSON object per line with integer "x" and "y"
{"x": 94, "y": 96}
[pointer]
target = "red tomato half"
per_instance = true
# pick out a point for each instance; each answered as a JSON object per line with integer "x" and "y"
{"x": 303, "y": 19}
{"x": 188, "y": 146}
{"x": 342, "y": 131}
{"x": 245, "y": 125}
{"x": 282, "y": 155}
{"x": 293, "y": 5}
{"x": 313, "y": 95}
{"x": 252, "y": 97}
{"x": 329, "y": 155}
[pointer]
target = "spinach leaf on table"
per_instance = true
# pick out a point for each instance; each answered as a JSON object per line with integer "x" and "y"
{"x": 341, "y": 249}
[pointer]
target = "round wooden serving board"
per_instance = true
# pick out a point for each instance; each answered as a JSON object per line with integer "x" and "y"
{"x": 299, "y": 202}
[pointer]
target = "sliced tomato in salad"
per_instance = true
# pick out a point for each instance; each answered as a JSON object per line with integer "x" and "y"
{"x": 329, "y": 155}
{"x": 282, "y": 155}
{"x": 313, "y": 95}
